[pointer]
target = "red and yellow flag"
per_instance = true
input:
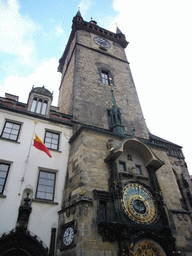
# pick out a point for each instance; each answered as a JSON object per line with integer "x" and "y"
{"x": 38, "y": 143}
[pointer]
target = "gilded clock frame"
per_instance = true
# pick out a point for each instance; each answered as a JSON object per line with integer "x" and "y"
{"x": 133, "y": 192}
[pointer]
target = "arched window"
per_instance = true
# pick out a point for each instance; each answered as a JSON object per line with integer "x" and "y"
{"x": 44, "y": 108}
{"x": 33, "y": 106}
{"x": 39, "y": 106}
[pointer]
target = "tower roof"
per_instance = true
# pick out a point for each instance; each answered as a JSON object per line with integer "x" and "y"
{"x": 78, "y": 13}
{"x": 41, "y": 90}
{"x": 118, "y": 31}
{"x": 92, "y": 27}
{"x": 80, "y": 24}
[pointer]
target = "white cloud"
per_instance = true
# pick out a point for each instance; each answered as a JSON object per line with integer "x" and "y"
{"x": 58, "y": 30}
{"x": 55, "y": 32}
{"x": 84, "y": 6}
{"x": 45, "y": 74}
{"x": 16, "y": 32}
{"x": 160, "y": 56}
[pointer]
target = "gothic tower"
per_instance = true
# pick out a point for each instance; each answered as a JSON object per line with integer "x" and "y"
{"x": 127, "y": 192}
{"x": 93, "y": 59}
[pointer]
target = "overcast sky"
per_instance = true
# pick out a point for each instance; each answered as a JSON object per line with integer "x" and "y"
{"x": 34, "y": 34}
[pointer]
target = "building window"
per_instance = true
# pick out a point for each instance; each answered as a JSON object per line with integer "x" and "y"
{"x": 122, "y": 167}
{"x": 33, "y": 106}
{"x": 46, "y": 185}
{"x": 105, "y": 77}
{"x": 4, "y": 169}
{"x": 52, "y": 140}
{"x": 39, "y": 106}
{"x": 11, "y": 131}
{"x": 102, "y": 211}
{"x": 138, "y": 168}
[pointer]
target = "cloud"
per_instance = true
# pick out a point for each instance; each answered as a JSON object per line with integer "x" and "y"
{"x": 160, "y": 59}
{"x": 16, "y": 32}
{"x": 84, "y": 6}
{"x": 58, "y": 30}
{"x": 55, "y": 32}
{"x": 45, "y": 74}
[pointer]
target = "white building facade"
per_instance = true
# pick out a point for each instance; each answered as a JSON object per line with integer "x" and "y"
{"x": 31, "y": 183}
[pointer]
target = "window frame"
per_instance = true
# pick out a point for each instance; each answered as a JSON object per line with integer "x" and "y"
{"x": 138, "y": 166}
{"x": 39, "y": 105}
{"x": 52, "y": 132}
{"x": 14, "y": 123}
{"x": 105, "y": 80}
{"x": 5, "y": 180}
{"x": 54, "y": 186}
{"x": 124, "y": 164}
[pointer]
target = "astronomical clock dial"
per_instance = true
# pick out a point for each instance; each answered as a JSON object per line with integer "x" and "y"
{"x": 148, "y": 247}
{"x": 139, "y": 204}
{"x": 68, "y": 236}
{"x": 102, "y": 42}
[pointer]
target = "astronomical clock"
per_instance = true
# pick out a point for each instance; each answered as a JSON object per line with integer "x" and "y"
{"x": 139, "y": 204}
{"x": 133, "y": 211}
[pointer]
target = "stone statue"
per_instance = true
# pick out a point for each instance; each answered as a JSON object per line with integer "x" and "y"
{"x": 131, "y": 166}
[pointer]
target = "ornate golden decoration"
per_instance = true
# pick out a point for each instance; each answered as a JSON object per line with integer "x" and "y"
{"x": 147, "y": 248}
{"x": 82, "y": 190}
{"x": 139, "y": 204}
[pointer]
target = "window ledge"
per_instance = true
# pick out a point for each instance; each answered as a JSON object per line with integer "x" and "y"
{"x": 55, "y": 150}
{"x": 2, "y": 196}
{"x": 10, "y": 140}
{"x": 44, "y": 201}
{"x": 139, "y": 177}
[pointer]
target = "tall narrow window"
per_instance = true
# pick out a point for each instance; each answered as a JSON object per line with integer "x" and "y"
{"x": 4, "y": 169}
{"x": 46, "y": 185}
{"x": 39, "y": 106}
{"x": 102, "y": 210}
{"x": 44, "y": 108}
{"x": 33, "y": 106}
{"x": 11, "y": 131}
{"x": 105, "y": 77}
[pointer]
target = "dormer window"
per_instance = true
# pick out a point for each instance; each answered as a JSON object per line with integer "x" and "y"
{"x": 39, "y": 100}
{"x": 39, "y": 106}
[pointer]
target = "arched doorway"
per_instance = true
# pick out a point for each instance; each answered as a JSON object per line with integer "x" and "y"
{"x": 20, "y": 242}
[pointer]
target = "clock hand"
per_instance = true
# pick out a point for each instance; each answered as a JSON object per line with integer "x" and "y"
{"x": 139, "y": 205}
{"x": 138, "y": 191}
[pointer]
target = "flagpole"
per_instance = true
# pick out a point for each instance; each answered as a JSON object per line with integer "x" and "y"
{"x": 27, "y": 160}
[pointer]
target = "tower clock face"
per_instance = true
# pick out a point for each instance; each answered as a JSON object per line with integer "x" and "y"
{"x": 68, "y": 236}
{"x": 139, "y": 204}
{"x": 102, "y": 42}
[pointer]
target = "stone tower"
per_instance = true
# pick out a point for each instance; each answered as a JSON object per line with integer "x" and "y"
{"x": 127, "y": 192}
{"x": 93, "y": 59}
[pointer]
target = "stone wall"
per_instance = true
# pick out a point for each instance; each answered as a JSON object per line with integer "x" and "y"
{"x": 83, "y": 92}
{"x": 87, "y": 171}
{"x": 179, "y": 218}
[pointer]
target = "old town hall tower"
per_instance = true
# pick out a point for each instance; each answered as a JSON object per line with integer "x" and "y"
{"x": 127, "y": 192}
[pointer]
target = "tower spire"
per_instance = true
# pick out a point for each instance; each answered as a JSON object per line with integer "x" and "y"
{"x": 118, "y": 31}
{"x": 78, "y": 12}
